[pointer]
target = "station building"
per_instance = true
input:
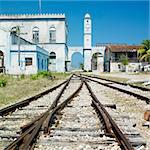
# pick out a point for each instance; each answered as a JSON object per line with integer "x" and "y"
{"x": 31, "y": 43}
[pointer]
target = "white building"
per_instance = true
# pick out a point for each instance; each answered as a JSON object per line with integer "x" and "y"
{"x": 48, "y": 32}
{"x": 32, "y": 43}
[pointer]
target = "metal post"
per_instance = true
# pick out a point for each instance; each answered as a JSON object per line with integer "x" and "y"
{"x": 40, "y": 6}
{"x": 19, "y": 50}
{"x": 18, "y": 34}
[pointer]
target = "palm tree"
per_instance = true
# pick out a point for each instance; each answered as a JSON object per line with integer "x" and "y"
{"x": 144, "y": 53}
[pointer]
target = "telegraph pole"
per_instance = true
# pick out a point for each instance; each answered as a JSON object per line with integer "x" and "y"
{"x": 18, "y": 34}
{"x": 19, "y": 42}
{"x": 40, "y": 6}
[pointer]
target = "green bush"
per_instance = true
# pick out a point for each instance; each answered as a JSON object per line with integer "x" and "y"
{"x": 34, "y": 77}
{"x": 22, "y": 76}
{"x": 40, "y": 74}
{"x": 3, "y": 82}
{"x": 44, "y": 73}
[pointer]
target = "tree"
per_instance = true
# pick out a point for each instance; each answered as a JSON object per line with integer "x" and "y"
{"x": 124, "y": 60}
{"x": 82, "y": 66}
{"x": 144, "y": 52}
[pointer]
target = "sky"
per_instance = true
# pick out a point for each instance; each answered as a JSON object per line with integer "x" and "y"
{"x": 112, "y": 21}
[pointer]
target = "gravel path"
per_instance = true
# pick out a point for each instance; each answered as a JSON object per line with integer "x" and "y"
{"x": 10, "y": 124}
{"x": 129, "y": 113}
{"x": 78, "y": 128}
{"x": 124, "y": 87}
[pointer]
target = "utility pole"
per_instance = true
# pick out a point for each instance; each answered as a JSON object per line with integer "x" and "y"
{"x": 19, "y": 42}
{"x": 18, "y": 34}
{"x": 40, "y": 6}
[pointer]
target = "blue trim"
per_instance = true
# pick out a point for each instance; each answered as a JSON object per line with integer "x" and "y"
{"x": 16, "y": 51}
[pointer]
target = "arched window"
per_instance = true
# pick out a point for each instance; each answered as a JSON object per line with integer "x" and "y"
{"x": 14, "y": 38}
{"x": 52, "y": 34}
{"x": 35, "y": 35}
{"x": 52, "y": 57}
{"x": 52, "y": 61}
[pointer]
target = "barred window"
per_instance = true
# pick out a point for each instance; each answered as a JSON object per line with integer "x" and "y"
{"x": 52, "y": 35}
{"x": 52, "y": 58}
{"x": 28, "y": 61}
{"x": 35, "y": 34}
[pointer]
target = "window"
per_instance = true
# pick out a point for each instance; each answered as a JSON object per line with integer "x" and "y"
{"x": 35, "y": 34}
{"x": 52, "y": 58}
{"x": 28, "y": 61}
{"x": 1, "y": 59}
{"x": 52, "y": 35}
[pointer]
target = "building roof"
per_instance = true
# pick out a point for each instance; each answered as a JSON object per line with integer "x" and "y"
{"x": 124, "y": 48}
{"x": 31, "y": 16}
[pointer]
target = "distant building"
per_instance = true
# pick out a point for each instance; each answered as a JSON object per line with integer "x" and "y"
{"x": 31, "y": 43}
{"x": 130, "y": 51}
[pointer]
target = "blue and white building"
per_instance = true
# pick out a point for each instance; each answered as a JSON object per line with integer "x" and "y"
{"x": 35, "y": 42}
{"x": 40, "y": 45}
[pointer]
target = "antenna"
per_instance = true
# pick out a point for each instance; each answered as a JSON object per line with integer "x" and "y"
{"x": 40, "y": 7}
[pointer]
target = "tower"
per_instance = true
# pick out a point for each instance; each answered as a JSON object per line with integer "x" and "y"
{"x": 87, "y": 42}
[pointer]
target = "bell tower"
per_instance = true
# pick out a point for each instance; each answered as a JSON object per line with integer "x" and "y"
{"x": 87, "y": 42}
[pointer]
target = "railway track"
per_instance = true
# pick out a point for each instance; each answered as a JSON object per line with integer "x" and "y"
{"x": 121, "y": 83}
{"x": 72, "y": 117}
{"x": 136, "y": 91}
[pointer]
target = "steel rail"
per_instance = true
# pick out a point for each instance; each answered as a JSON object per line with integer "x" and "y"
{"x": 49, "y": 118}
{"x": 13, "y": 107}
{"x": 54, "y": 104}
{"x": 32, "y": 129}
{"x": 146, "y": 99}
{"x": 123, "y": 141}
{"x": 117, "y": 82}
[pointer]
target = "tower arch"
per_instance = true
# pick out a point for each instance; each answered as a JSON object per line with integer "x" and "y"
{"x": 76, "y": 60}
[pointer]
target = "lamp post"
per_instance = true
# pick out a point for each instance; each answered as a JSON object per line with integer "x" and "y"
{"x": 19, "y": 41}
{"x": 18, "y": 34}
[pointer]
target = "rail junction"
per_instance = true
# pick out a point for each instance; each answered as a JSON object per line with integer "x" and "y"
{"x": 71, "y": 115}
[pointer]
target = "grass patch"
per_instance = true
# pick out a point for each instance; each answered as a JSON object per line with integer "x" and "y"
{"x": 59, "y": 76}
{"x": 18, "y": 87}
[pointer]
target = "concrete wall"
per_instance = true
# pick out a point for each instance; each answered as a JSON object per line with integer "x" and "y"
{"x": 131, "y": 67}
{"x": 87, "y": 60}
{"x": 74, "y": 49}
{"x": 59, "y": 49}
{"x": 100, "y": 59}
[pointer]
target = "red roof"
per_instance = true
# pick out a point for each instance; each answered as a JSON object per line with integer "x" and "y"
{"x": 124, "y": 48}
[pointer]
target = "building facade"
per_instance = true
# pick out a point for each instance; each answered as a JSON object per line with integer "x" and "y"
{"x": 32, "y": 43}
{"x": 48, "y": 32}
